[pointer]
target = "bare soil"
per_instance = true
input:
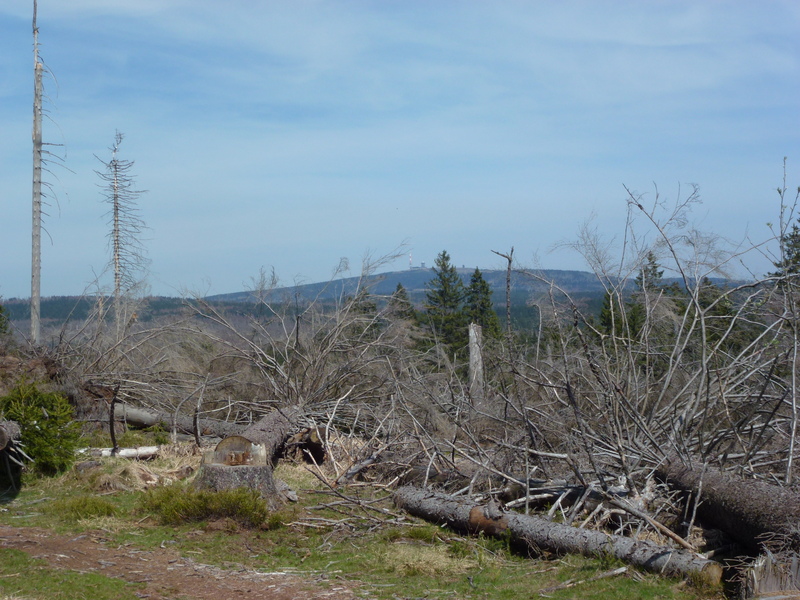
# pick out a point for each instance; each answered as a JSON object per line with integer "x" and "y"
{"x": 165, "y": 574}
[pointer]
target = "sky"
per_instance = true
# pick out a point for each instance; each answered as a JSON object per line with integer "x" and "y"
{"x": 289, "y": 135}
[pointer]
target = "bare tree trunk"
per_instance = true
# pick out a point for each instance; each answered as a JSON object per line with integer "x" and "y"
{"x": 509, "y": 257}
{"x": 36, "y": 231}
{"x": 747, "y": 511}
{"x": 475, "y": 361}
{"x": 541, "y": 534}
{"x": 144, "y": 418}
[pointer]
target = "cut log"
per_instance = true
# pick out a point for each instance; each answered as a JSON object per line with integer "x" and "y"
{"x": 142, "y": 452}
{"x": 539, "y": 534}
{"x": 237, "y": 450}
{"x": 9, "y": 433}
{"x": 748, "y": 511}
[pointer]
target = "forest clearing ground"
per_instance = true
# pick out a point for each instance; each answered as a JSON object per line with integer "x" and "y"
{"x": 162, "y": 573}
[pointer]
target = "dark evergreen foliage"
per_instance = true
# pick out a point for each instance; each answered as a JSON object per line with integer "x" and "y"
{"x": 400, "y": 304}
{"x": 478, "y": 306}
{"x": 4, "y": 325}
{"x": 790, "y": 264}
{"x": 49, "y": 433}
{"x": 443, "y": 305}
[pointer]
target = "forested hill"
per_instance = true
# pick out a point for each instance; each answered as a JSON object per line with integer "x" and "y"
{"x": 584, "y": 287}
{"x": 415, "y": 280}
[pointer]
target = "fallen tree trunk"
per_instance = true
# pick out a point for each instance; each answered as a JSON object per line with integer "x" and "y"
{"x": 139, "y": 417}
{"x": 748, "y": 511}
{"x": 540, "y": 534}
{"x": 273, "y": 430}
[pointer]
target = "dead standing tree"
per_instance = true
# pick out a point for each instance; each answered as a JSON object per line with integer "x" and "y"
{"x": 127, "y": 250}
{"x": 41, "y": 160}
{"x": 36, "y": 259}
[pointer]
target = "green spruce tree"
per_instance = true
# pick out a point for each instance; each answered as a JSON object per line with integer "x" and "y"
{"x": 5, "y": 328}
{"x": 626, "y": 317}
{"x": 790, "y": 263}
{"x": 612, "y": 319}
{"x": 400, "y": 304}
{"x": 443, "y": 305}
{"x": 478, "y": 306}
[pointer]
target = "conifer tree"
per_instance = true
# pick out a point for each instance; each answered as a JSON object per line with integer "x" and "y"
{"x": 400, "y": 304}
{"x": 625, "y": 319}
{"x": 478, "y": 306}
{"x": 443, "y": 304}
{"x": 5, "y": 329}
{"x": 611, "y": 318}
{"x": 790, "y": 263}
{"x": 651, "y": 275}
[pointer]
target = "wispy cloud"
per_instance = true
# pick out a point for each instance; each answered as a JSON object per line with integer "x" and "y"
{"x": 294, "y": 133}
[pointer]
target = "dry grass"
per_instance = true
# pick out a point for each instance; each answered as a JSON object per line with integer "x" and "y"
{"x": 174, "y": 462}
{"x": 429, "y": 561}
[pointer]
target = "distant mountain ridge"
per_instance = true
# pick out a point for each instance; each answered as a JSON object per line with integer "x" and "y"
{"x": 415, "y": 281}
{"x": 524, "y": 285}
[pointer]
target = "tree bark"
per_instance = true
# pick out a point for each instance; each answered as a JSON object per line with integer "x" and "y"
{"x": 475, "y": 361}
{"x": 748, "y": 511}
{"x": 9, "y": 433}
{"x": 540, "y": 534}
{"x": 273, "y": 430}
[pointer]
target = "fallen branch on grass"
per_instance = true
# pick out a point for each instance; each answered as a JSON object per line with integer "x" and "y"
{"x": 142, "y": 452}
{"x": 573, "y": 582}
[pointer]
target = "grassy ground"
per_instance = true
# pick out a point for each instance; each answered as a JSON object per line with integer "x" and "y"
{"x": 391, "y": 555}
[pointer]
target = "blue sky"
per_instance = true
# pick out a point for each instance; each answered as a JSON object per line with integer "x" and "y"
{"x": 291, "y": 134}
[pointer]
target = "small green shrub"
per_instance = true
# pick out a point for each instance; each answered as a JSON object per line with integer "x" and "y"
{"x": 173, "y": 505}
{"x": 49, "y": 434}
{"x": 82, "y": 507}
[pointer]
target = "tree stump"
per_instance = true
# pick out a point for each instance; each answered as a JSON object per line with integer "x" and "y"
{"x": 247, "y": 460}
{"x": 237, "y": 462}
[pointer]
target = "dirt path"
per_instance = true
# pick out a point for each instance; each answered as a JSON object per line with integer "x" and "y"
{"x": 165, "y": 574}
